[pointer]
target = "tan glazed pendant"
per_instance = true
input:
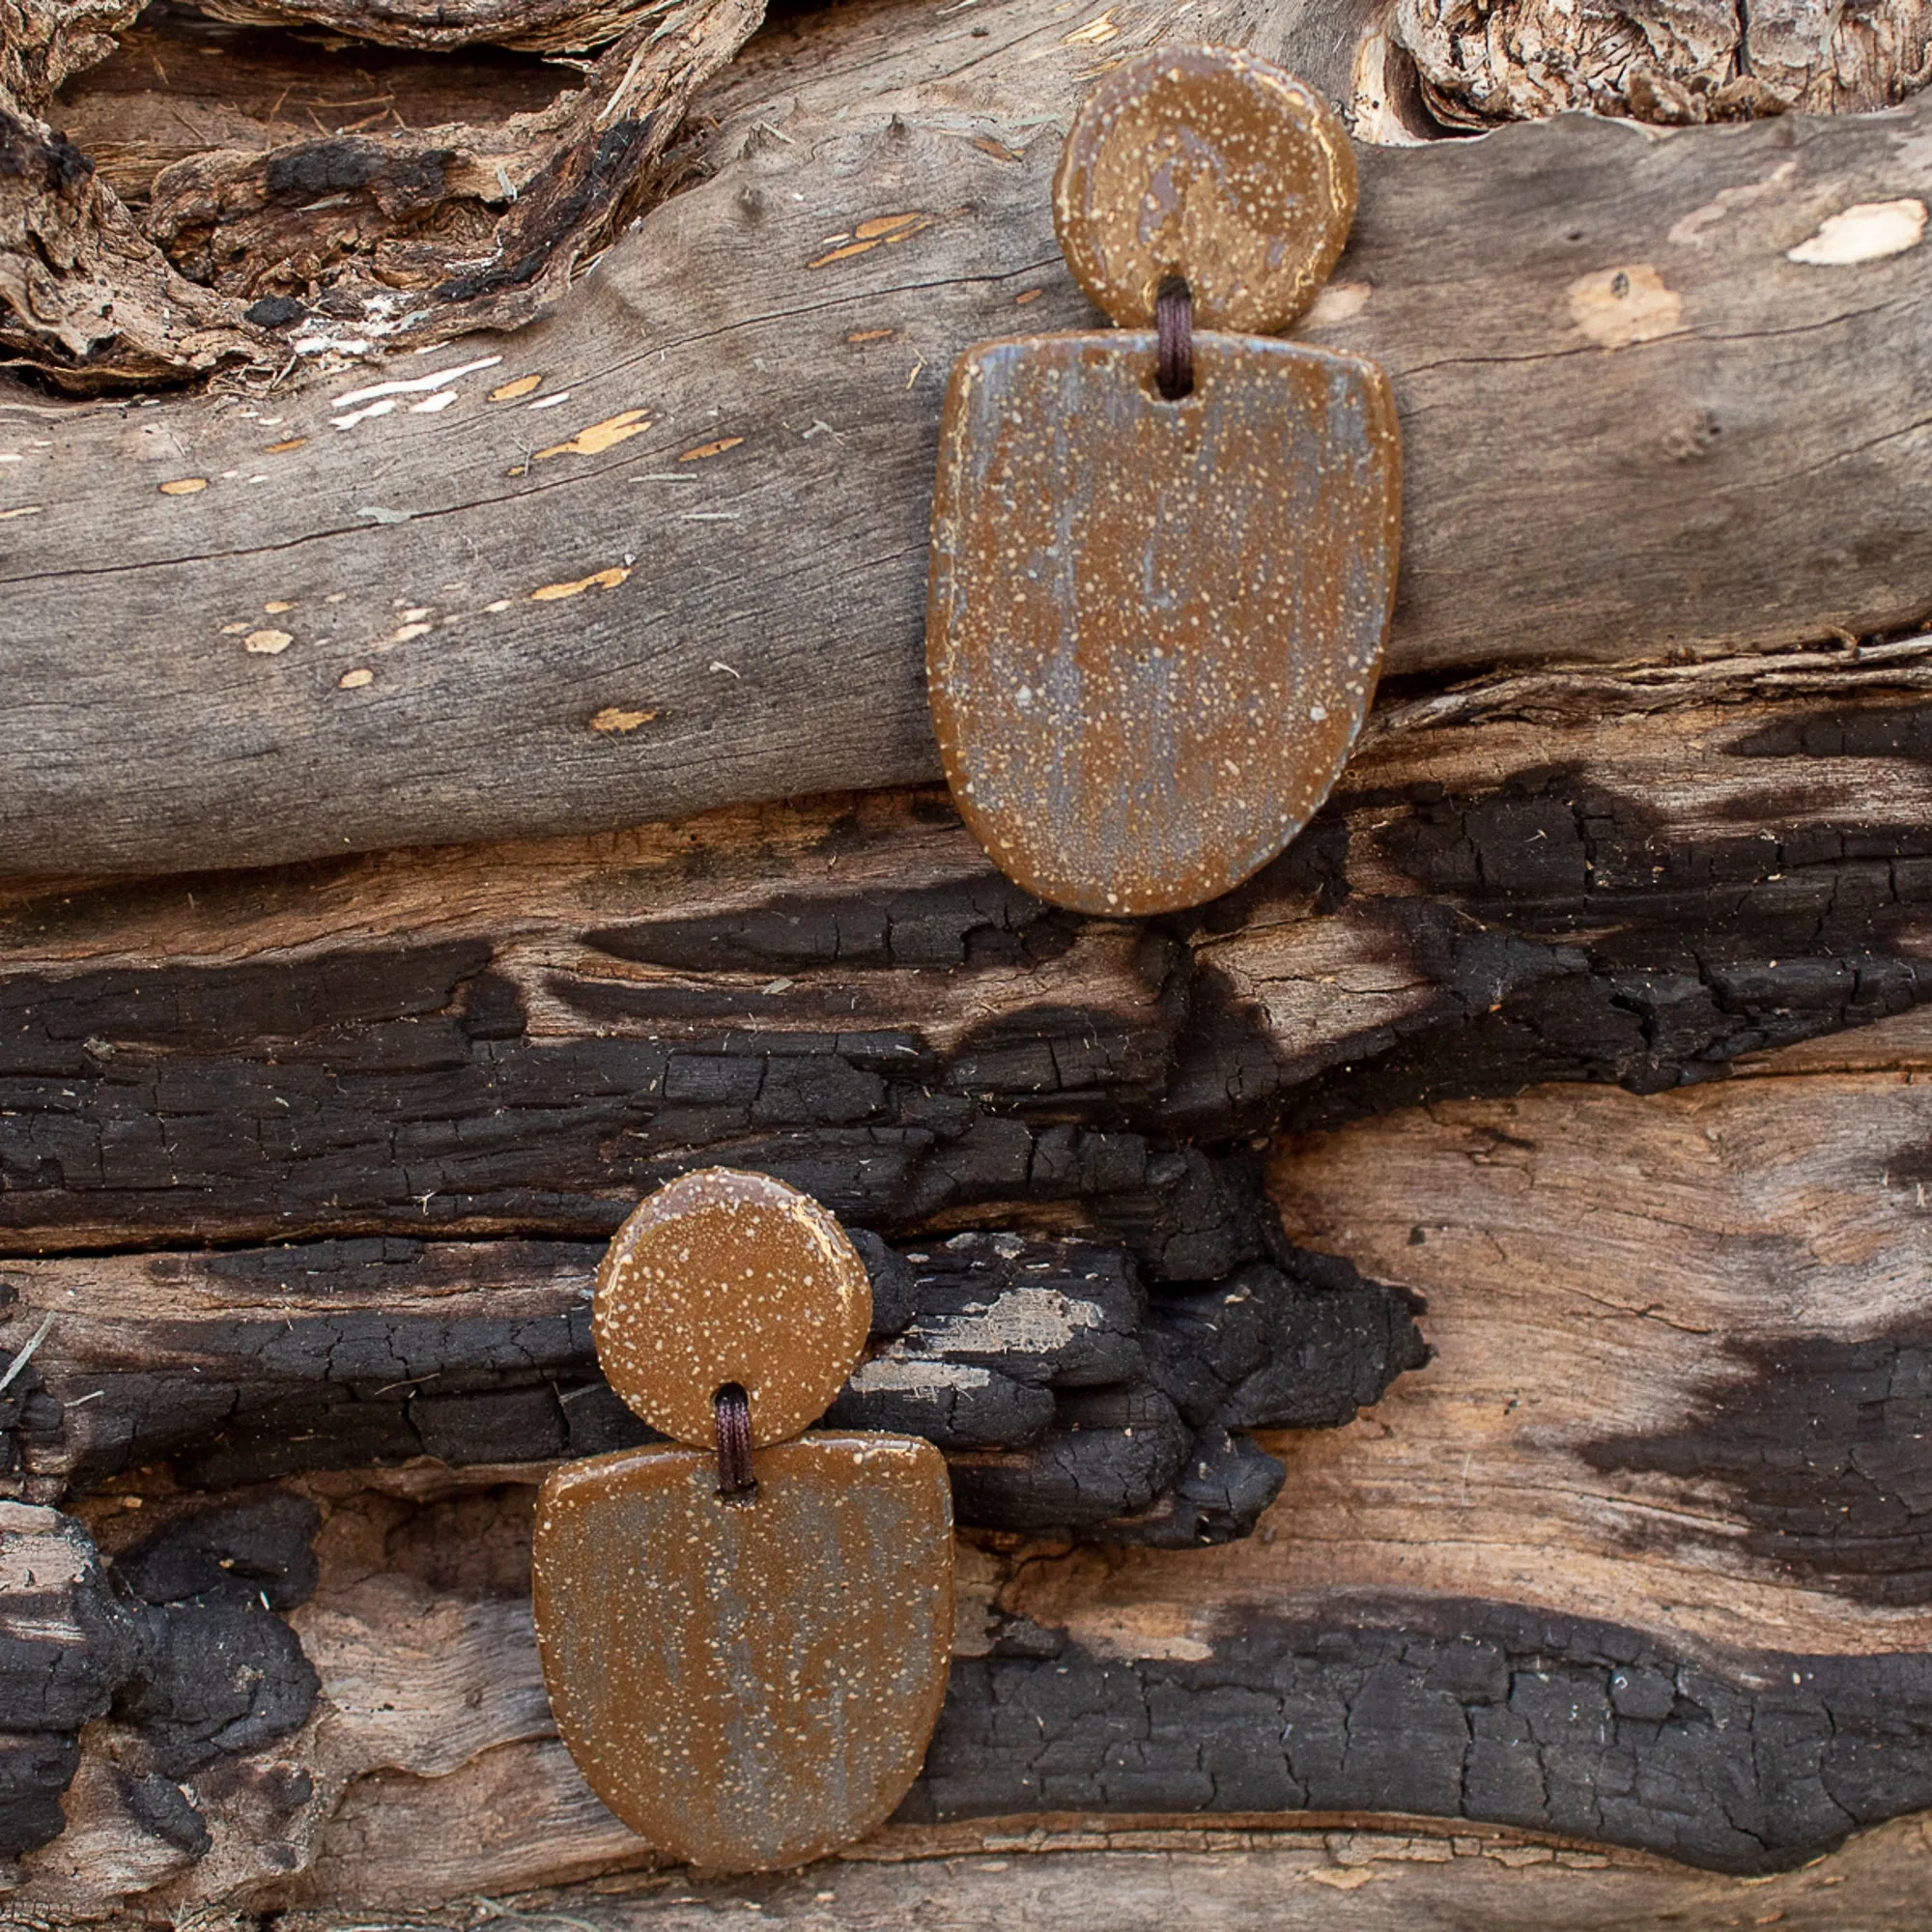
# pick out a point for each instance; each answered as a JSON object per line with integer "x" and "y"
{"x": 745, "y": 1640}
{"x": 1163, "y": 558}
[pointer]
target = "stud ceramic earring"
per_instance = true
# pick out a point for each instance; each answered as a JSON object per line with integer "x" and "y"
{"x": 745, "y": 1640}
{"x": 1163, "y": 560}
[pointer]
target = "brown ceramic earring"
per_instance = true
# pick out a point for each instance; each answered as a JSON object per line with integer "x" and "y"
{"x": 745, "y": 1640}
{"x": 1163, "y": 556}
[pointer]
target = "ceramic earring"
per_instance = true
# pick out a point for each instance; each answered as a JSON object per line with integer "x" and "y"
{"x": 1163, "y": 556}
{"x": 745, "y": 1640}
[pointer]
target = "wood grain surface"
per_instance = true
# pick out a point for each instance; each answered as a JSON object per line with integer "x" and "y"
{"x": 1634, "y": 427}
{"x": 1578, "y": 1039}
{"x": 1344, "y": 1879}
{"x": 1668, "y": 1457}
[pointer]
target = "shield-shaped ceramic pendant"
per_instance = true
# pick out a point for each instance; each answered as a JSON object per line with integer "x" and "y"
{"x": 746, "y": 1672}
{"x": 749, "y": 1684}
{"x": 1155, "y": 624}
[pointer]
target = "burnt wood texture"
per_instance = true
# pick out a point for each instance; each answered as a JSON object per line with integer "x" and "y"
{"x": 1431, "y": 1349}
{"x": 465, "y": 1065}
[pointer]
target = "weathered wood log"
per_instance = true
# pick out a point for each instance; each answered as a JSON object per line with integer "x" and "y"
{"x": 1066, "y": 1400}
{"x": 302, "y": 1171}
{"x": 1558, "y": 879}
{"x": 1169, "y": 1878}
{"x": 1594, "y": 336}
{"x": 1587, "y": 1505}
{"x": 1637, "y": 1560}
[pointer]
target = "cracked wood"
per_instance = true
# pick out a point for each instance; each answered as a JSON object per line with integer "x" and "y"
{"x": 1633, "y": 879}
{"x": 1068, "y": 1400}
{"x": 1596, "y": 338}
{"x": 1642, "y": 880}
{"x": 1501, "y": 1597}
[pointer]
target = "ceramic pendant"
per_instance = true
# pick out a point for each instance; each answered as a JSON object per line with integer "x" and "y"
{"x": 746, "y": 1677}
{"x": 1155, "y": 620}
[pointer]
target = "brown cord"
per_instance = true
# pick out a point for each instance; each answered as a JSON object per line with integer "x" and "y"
{"x": 1174, "y": 320}
{"x": 732, "y": 1407}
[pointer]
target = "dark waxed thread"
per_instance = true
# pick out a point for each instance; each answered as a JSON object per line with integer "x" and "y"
{"x": 732, "y": 1407}
{"x": 1174, "y": 321}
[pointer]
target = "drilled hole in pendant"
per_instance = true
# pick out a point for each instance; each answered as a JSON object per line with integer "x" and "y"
{"x": 732, "y": 1407}
{"x": 1174, "y": 327}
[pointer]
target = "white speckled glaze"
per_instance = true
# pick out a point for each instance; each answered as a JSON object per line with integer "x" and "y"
{"x": 749, "y": 1684}
{"x": 1153, "y": 628}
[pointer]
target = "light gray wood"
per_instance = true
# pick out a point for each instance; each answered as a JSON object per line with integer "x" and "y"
{"x": 1741, "y": 473}
{"x": 1343, "y": 1879}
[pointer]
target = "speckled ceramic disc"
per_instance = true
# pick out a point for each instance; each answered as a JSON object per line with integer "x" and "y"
{"x": 1208, "y": 164}
{"x": 726, "y": 1277}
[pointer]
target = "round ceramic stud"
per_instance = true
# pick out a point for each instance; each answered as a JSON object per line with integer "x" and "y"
{"x": 1210, "y": 164}
{"x": 724, "y": 1277}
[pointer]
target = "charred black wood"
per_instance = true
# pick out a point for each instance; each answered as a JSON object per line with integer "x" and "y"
{"x": 1556, "y": 927}
{"x": 372, "y": 1090}
{"x": 1819, "y": 1444}
{"x": 1071, "y": 1397}
{"x": 1467, "y": 1709}
{"x": 177, "y": 1642}
{"x": 1567, "y": 930}
{"x": 1453, "y": 1709}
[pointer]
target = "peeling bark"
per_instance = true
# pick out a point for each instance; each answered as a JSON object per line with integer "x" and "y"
{"x": 1676, "y": 62}
{"x": 410, "y": 237}
{"x": 44, "y": 43}
{"x": 548, "y": 26}
{"x": 426, "y": 234}
{"x": 83, "y": 293}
